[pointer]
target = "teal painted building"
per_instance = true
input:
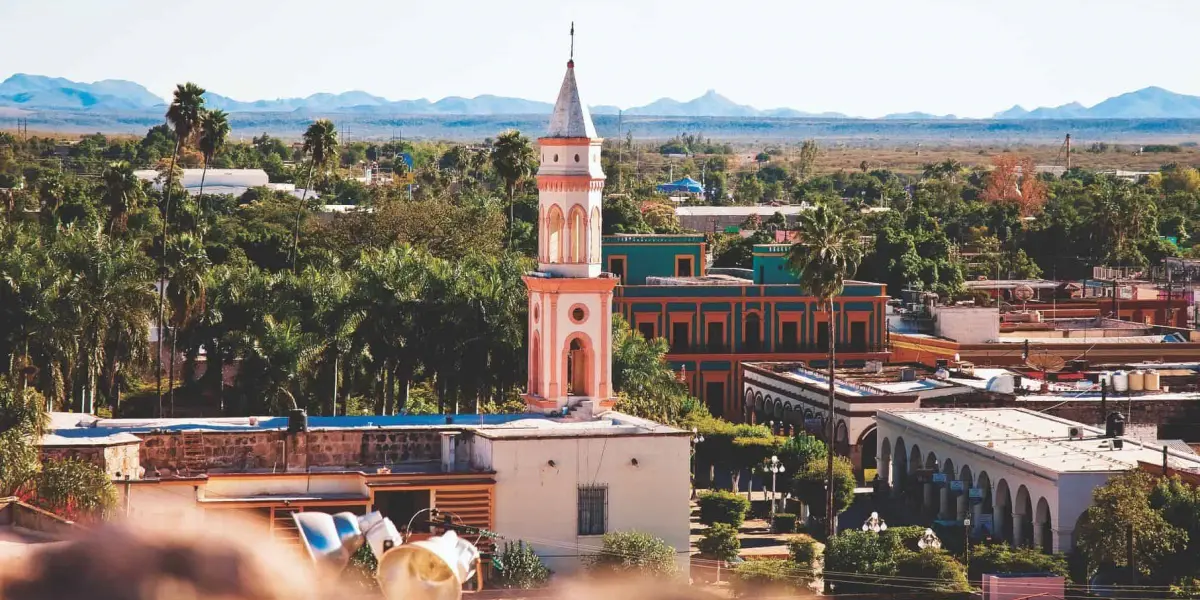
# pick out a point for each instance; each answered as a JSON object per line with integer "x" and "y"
{"x": 717, "y": 320}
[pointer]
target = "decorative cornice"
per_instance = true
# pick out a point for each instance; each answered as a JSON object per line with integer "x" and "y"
{"x": 570, "y": 183}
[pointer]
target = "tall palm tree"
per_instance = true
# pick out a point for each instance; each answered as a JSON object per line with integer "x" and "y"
{"x": 123, "y": 193}
{"x": 827, "y": 251}
{"x": 184, "y": 116}
{"x": 214, "y": 129}
{"x": 514, "y": 159}
{"x": 320, "y": 144}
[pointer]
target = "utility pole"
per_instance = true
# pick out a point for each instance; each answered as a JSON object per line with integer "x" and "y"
{"x": 1068, "y": 152}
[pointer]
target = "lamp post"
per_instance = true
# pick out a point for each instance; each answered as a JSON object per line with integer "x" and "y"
{"x": 775, "y": 468}
{"x": 874, "y": 523}
{"x": 696, "y": 440}
{"x": 929, "y": 539}
{"x": 967, "y": 543}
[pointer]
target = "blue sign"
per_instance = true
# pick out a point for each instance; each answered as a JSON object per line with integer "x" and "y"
{"x": 975, "y": 496}
{"x": 956, "y": 487}
{"x": 939, "y": 478}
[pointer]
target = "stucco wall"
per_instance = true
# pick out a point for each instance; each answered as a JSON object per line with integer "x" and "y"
{"x": 538, "y": 503}
{"x": 967, "y": 325}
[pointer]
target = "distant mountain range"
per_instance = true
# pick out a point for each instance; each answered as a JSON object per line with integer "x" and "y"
{"x": 53, "y": 93}
{"x": 1146, "y": 103}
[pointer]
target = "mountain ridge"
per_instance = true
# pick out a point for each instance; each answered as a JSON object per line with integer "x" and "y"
{"x": 26, "y": 91}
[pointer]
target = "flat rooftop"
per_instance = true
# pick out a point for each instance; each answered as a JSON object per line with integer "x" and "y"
{"x": 78, "y": 429}
{"x": 1035, "y": 438}
{"x": 861, "y": 381}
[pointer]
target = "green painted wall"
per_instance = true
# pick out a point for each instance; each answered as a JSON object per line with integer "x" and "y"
{"x": 652, "y": 255}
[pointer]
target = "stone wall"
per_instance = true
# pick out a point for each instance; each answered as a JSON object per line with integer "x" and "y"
{"x": 197, "y": 452}
{"x": 88, "y": 454}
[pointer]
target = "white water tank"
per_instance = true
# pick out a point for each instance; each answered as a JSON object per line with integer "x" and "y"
{"x": 1120, "y": 381}
{"x": 1001, "y": 384}
{"x": 1153, "y": 381}
{"x": 1137, "y": 380}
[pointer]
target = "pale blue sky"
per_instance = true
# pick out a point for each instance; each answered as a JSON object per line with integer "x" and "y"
{"x": 860, "y": 57}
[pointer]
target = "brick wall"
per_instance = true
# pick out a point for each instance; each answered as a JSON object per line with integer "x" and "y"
{"x": 240, "y": 451}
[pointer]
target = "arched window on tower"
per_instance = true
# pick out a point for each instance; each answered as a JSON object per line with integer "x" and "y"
{"x": 579, "y": 378}
{"x": 554, "y": 245}
{"x": 594, "y": 236}
{"x": 577, "y": 232}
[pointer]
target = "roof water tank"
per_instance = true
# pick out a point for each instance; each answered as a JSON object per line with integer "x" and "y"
{"x": 1153, "y": 381}
{"x": 1001, "y": 384}
{"x": 1120, "y": 382}
{"x": 1137, "y": 380}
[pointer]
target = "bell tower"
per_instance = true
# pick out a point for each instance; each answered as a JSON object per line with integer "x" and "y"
{"x": 570, "y": 297}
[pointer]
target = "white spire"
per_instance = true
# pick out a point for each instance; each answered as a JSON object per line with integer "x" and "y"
{"x": 570, "y": 118}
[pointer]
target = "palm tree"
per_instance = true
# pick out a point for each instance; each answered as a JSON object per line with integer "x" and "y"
{"x": 320, "y": 144}
{"x": 827, "y": 252}
{"x": 123, "y": 193}
{"x": 214, "y": 128}
{"x": 184, "y": 116}
{"x": 514, "y": 159}
{"x": 186, "y": 291}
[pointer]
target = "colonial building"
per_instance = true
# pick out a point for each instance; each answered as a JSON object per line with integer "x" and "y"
{"x": 718, "y": 319}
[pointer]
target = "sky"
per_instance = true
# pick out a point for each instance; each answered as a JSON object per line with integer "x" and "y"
{"x": 859, "y": 57}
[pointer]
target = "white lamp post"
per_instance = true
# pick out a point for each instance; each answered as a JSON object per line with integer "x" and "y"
{"x": 696, "y": 439}
{"x": 874, "y": 523}
{"x": 775, "y": 468}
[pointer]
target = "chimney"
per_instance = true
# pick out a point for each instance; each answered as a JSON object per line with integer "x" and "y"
{"x": 449, "y": 439}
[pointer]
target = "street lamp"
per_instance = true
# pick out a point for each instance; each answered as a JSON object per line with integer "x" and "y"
{"x": 929, "y": 539}
{"x": 696, "y": 439}
{"x": 967, "y": 543}
{"x": 874, "y": 523}
{"x": 775, "y": 468}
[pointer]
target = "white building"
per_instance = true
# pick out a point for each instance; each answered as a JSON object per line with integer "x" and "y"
{"x": 221, "y": 181}
{"x": 1031, "y": 474}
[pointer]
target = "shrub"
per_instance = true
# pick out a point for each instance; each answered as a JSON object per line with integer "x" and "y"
{"x": 937, "y": 569}
{"x": 720, "y": 542}
{"x": 633, "y": 552}
{"x": 723, "y": 507}
{"x": 783, "y": 523}
{"x": 907, "y": 536}
{"x": 871, "y": 557}
{"x": 803, "y": 550}
{"x": 519, "y": 567}
{"x": 755, "y": 577}
{"x": 1001, "y": 558}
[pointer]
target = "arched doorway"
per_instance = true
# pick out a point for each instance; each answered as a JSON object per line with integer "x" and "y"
{"x": 900, "y": 468}
{"x": 1044, "y": 531}
{"x": 1002, "y": 515}
{"x": 868, "y": 447}
{"x": 946, "y": 505}
{"x": 578, "y": 367}
{"x": 535, "y": 366}
{"x": 984, "y": 483}
{"x": 932, "y": 498}
{"x": 841, "y": 438}
{"x": 1023, "y": 518}
{"x": 964, "y": 498}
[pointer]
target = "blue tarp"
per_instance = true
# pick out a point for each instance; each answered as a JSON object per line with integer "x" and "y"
{"x": 686, "y": 185}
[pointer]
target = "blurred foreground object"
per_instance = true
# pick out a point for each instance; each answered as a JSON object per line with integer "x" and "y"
{"x": 130, "y": 561}
{"x": 434, "y": 568}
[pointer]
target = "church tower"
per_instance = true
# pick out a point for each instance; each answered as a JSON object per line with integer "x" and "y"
{"x": 570, "y": 297}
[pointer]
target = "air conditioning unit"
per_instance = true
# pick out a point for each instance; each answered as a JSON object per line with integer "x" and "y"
{"x": 1074, "y": 433}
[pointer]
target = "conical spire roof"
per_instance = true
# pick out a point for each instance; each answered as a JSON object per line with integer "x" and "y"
{"x": 570, "y": 118}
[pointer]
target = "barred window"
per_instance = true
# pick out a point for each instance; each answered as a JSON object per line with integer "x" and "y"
{"x": 593, "y": 509}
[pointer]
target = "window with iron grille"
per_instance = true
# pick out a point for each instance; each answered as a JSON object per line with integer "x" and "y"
{"x": 593, "y": 509}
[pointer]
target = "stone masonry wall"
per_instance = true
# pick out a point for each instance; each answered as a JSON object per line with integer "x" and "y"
{"x": 175, "y": 452}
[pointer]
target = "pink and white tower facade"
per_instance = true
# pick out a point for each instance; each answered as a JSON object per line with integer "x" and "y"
{"x": 570, "y": 297}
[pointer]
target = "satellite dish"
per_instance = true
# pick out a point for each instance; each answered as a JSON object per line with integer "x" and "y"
{"x": 1046, "y": 362}
{"x": 1023, "y": 293}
